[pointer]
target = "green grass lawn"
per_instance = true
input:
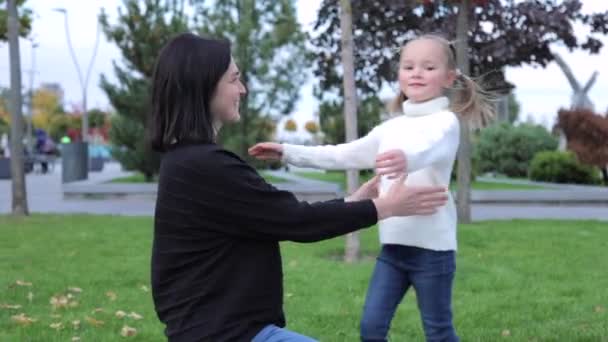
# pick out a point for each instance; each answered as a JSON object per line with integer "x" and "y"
{"x": 528, "y": 280}
{"x": 139, "y": 178}
{"x": 272, "y": 179}
{"x": 339, "y": 178}
{"x": 136, "y": 178}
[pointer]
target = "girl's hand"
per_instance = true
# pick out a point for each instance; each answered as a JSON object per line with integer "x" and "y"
{"x": 392, "y": 163}
{"x": 267, "y": 151}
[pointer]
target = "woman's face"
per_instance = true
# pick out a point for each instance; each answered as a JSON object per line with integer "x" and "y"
{"x": 226, "y": 99}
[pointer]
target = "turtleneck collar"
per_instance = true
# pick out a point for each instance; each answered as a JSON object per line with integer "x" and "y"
{"x": 424, "y": 108}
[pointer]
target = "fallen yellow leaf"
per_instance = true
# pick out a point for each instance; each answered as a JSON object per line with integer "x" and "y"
{"x": 96, "y": 310}
{"x": 9, "y": 306}
{"x": 75, "y": 339}
{"x": 94, "y": 322}
{"x": 506, "y": 333}
{"x": 135, "y": 316}
{"x": 59, "y": 301}
{"x": 599, "y": 309}
{"x": 76, "y": 324}
{"x": 127, "y": 331}
{"x": 112, "y": 295}
{"x": 22, "y": 319}
{"x": 22, "y": 283}
{"x": 30, "y": 296}
{"x": 75, "y": 289}
{"x": 144, "y": 288}
{"x": 120, "y": 314}
{"x": 73, "y": 304}
{"x": 56, "y": 326}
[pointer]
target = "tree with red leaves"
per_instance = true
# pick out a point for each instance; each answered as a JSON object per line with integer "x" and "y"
{"x": 587, "y": 136}
{"x": 501, "y": 33}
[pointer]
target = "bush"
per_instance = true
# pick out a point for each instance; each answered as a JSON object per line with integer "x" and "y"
{"x": 508, "y": 149}
{"x": 587, "y": 136}
{"x": 562, "y": 167}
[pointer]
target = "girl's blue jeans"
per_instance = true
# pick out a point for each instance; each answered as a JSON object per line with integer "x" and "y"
{"x": 430, "y": 273}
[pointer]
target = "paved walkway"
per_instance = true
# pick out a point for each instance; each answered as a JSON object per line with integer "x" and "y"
{"x": 45, "y": 195}
{"x": 482, "y": 209}
{"x": 551, "y": 194}
{"x": 543, "y": 184}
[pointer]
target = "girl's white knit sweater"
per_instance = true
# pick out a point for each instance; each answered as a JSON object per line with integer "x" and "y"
{"x": 428, "y": 133}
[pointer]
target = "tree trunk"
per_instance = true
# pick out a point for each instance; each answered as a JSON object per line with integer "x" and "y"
{"x": 605, "y": 175}
{"x": 19, "y": 204}
{"x": 464, "y": 152}
{"x": 148, "y": 177}
{"x": 246, "y": 12}
{"x": 350, "y": 113}
{"x": 244, "y": 121}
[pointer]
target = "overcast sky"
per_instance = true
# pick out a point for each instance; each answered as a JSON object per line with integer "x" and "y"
{"x": 541, "y": 91}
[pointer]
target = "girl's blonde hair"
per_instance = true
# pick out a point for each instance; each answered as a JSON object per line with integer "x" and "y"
{"x": 467, "y": 98}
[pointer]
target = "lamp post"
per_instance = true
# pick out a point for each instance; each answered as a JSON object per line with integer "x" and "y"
{"x": 83, "y": 81}
{"x": 75, "y": 156}
{"x": 30, "y": 141}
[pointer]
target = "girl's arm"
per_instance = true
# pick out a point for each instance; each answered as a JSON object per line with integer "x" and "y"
{"x": 358, "y": 154}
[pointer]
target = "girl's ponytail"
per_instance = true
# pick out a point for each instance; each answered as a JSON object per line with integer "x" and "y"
{"x": 470, "y": 101}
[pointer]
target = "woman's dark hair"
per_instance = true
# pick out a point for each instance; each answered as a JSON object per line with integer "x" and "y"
{"x": 186, "y": 74}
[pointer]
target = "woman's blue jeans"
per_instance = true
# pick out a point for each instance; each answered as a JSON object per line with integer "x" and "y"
{"x": 272, "y": 333}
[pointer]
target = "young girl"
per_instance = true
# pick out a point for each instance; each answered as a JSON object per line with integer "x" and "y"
{"x": 417, "y": 251}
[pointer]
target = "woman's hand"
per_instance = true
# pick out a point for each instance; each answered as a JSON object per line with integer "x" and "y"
{"x": 267, "y": 151}
{"x": 402, "y": 200}
{"x": 369, "y": 190}
{"x": 392, "y": 163}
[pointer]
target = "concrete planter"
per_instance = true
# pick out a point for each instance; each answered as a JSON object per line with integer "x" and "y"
{"x": 5, "y": 168}
{"x": 96, "y": 164}
{"x": 74, "y": 162}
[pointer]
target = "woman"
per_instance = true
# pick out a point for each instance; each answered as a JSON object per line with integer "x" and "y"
{"x": 216, "y": 263}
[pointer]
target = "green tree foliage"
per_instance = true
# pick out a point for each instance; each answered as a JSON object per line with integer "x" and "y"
{"x": 142, "y": 28}
{"x": 268, "y": 46}
{"x": 508, "y": 149}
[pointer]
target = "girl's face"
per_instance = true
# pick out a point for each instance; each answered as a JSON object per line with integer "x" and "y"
{"x": 227, "y": 96}
{"x": 423, "y": 70}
